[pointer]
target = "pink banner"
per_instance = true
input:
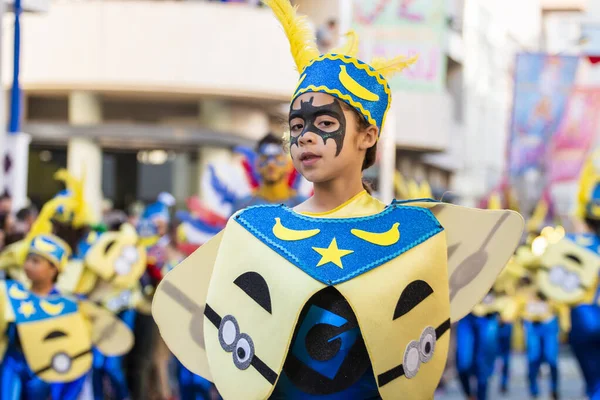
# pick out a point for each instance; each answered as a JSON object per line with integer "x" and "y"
{"x": 576, "y": 133}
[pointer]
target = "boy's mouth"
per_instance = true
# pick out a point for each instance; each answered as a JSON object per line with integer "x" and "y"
{"x": 308, "y": 158}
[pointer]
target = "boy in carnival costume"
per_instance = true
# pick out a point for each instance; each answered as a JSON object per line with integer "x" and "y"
{"x": 343, "y": 296}
{"x": 48, "y": 336}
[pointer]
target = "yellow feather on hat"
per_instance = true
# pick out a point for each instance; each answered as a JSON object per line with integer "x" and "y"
{"x": 301, "y": 37}
{"x": 350, "y": 48}
{"x": 391, "y": 66}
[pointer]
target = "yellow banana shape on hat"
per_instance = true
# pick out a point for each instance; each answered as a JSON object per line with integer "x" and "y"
{"x": 354, "y": 87}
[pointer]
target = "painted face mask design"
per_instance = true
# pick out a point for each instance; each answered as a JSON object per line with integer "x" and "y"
{"x": 309, "y": 114}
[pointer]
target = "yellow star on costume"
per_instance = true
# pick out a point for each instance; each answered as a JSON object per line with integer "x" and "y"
{"x": 26, "y": 308}
{"x": 332, "y": 254}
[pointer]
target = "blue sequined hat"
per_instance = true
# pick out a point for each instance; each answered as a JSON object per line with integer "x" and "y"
{"x": 52, "y": 248}
{"x": 350, "y": 80}
{"x": 339, "y": 73}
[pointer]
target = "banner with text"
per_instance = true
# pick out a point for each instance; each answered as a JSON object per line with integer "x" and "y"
{"x": 388, "y": 28}
{"x": 576, "y": 132}
{"x": 541, "y": 89}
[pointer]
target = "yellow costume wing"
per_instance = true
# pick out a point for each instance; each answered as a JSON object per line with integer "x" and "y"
{"x": 480, "y": 244}
{"x": 109, "y": 334}
{"x": 181, "y": 296}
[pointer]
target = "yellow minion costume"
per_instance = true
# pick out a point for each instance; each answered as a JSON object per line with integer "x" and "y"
{"x": 48, "y": 338}
{"x": 542, "y": 319}
{"x": 355, "y": 301}
{"x": 569, "y": 274}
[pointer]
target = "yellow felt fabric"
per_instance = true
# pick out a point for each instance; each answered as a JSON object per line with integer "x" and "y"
{"x": 373, "y": 297}
{"x": 290, "y": 288}
{"x": 508, "y": 306}
{"x": 39, "y": 352}
{"x": 109, "y": 334}
{"x": 360, "y": 205}
{"x": 69, "y": 279}
{"x": 13, "y": 255}
{"x": 556, "y": 257}
{"x": 488, "y": 305}
{"x": 178, "y": 307}
{"x": 106, "y": 264}
{"x": 480, "y": 244}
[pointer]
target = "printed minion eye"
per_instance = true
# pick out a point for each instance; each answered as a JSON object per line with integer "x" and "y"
{"x": 412, "y": 296}
{"x": 255, "y": 286}
{"x": 568, "y": 270}
{"x": 418, "y": 352}
{"x": 109, "y": 245}
{"x": 55, "y": 335}
{"x": 244, "y": 352}
{"x": 427, "y": 344}
{"x": 229, "y": 332}
{"x": 239, "y": 344}
{"x": 61, "y": 363}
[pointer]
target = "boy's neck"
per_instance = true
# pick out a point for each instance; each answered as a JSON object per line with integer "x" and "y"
{"x": 329, "y": 195}
{"x": 42, "y": 288}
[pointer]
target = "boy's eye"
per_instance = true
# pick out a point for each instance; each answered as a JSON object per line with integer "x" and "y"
{"x": 296, "y": 127}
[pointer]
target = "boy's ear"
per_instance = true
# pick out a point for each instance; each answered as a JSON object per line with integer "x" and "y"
{"x": 369, "y": 139}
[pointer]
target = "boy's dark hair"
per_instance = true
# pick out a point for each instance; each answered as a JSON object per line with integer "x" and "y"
{"x": 72, "y": 236}
{"x": 14, "y": 237}
{"x": 371, "y": 154}
{"x": 269, "y": 138}
{"x": 5, "y": 196}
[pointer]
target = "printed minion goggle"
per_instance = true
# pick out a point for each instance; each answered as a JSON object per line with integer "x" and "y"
{"x": 339, "y": 73}
{"x": 271, "y": 153}
{"x": 52, "y": 248}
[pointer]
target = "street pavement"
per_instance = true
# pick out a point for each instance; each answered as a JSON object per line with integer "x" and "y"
{"x": 571, "y": 382}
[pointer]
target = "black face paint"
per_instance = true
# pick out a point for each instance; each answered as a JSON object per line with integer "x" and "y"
{"x": 309, "y": 114}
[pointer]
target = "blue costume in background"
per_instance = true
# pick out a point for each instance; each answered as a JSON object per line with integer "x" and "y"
{"x": 18, "y": 382}
{"x": 585, "y": 342}
{"x": 504, "y": 346}
{"x": 476, "y": 349}
{"x": 542, "y": 346}
{"x": 112, "y": 367}
{"x": 192, "y": 386}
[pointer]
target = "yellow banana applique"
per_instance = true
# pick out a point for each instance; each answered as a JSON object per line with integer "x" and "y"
{"x": 381, "y": 239}
{"x": 354, "y": 87}
{"x": 44, "y": 246}
{"x": 17, "y": 294}
{"x": 52, "y": 309}
{"x": 283, "y": 233}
